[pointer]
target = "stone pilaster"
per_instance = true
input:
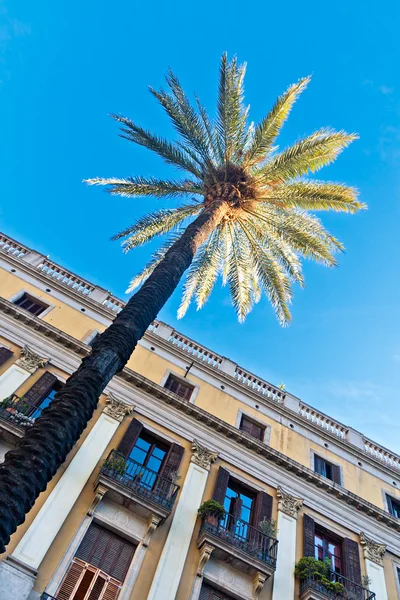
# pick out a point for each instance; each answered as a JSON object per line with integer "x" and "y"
{"x": 374, "y": 553}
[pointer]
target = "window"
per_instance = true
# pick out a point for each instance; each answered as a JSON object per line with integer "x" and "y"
{"x": 179, "y": 386}
{"x": 393, "y": 506}
{"x": 48, "y": 398}
{"x": 98, "y": 568}
{"x": 326, "y": 469}
{"x": 30, "y": 304}
{"x": 252, "y": 428}
{"x": 209, "y": 593}
{"x": 327, "y": 546}
{"x": 149, "y": 453}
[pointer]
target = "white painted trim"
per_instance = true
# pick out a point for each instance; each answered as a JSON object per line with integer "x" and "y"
{"x": 195, "y": 386}
{"x": 185, "y": 426}
{"x": 160, "y": 434}
{"x": 90, "y": 336}
{"x": 396, "y": 568}
{"x": 313, "y": 454}
{"x": 266, "y": 426}
{"x": 283, "y": 584}
{"x": 19, "y": 294}
{"x": 247, "y": 482}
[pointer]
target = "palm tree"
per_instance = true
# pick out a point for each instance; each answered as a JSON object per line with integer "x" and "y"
{"x": 245, "y": 218}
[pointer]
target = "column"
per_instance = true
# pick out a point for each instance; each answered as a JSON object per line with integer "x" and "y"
{"x": 373, "y": 554}
{"x": 169, "y": 570}
{"x": 288, "y": 507}
{"x": 20, "y": 371}
{"x": 37, "y": 540}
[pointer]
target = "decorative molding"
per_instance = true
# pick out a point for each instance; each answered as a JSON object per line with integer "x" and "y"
{"x": 202, "y": 456}
{"x": 30, "y": 361}
{"x": 372, "y": 550}
{"x": 187, "y": 420}
{"x": 258, "y": 584}
{"x": 100, "y": 492}
{"x": 152, "y": 525}
{"x": 287, "y": 503}
{"x": 116, "y": 409}
{"x": 205, "y": 555}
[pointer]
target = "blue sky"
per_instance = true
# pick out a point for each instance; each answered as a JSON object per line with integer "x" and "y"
{"x": 64, "y": 66}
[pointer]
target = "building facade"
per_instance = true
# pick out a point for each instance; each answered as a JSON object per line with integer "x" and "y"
{"x": 179, "y": 426}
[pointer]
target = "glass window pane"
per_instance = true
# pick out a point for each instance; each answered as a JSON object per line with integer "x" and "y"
{"x": 159, "y": 453}
{"x": 154, "y": 464}
{"x": 138, "y": 454}
{"x": 141, "y": 443}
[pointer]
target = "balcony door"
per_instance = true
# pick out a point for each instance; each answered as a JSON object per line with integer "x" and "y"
{"x": 148, "y": 456}
{"x": 239, "y": 506}
{"x": 99, "y": 567}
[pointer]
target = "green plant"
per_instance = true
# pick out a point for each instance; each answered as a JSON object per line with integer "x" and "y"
{"x": 268, "y": 527}
{"x": 309, "y": 567}
{"x": 212, "y": 508}
{"x": 117, "y": 464}
{"x": 366, "y": 581}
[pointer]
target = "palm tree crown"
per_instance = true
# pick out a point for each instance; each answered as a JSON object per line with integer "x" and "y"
{"x": 267, "y": 226}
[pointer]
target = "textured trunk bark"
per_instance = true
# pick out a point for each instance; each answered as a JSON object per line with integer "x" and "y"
{"x": 29, "y": 467}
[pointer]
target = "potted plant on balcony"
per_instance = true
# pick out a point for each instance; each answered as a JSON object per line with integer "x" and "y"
{"x": 212, "y": 511}
{"x": 268, "y": 528}
{"x": 117, "y": 464}
{"x": 316, "y": 571}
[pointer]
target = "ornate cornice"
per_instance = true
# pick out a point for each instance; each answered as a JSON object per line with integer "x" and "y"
{"x": 117, "y": 409}
{"x": 201, "y": 456}
{"x": 205, "y": 554}
{"x": 214, "y": 423}
{"x": 372, "y": 550}
{"x": 30, "y": 361}
{"x": 287, "y": 503}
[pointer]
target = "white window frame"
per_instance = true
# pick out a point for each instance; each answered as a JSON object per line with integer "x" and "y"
{"x": 196, "y": 387}
{"x": 40, "y": 300}
{"x": 267, "y": 426}
{"x": 314, "y": 453}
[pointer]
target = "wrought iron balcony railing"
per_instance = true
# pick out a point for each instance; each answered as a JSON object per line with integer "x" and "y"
{"x": 142, "y": 481}
{"x": 242, "y": 536}
{"x": 351, "y": 590}
{"x": 46, "y": 596}
{"x": 19, "y": 411}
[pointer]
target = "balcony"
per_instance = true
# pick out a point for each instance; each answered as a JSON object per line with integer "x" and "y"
{"x": 140, "y": 489}
{"x": 246, "y": 548}
{"x": 45, "y": 596}
{"x": 16, "y": 414}
{"x": 311, "y": 588}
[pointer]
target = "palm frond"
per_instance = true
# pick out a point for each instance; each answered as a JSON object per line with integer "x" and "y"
{"x": 154, "y": 261}
{"x": 315, "y": 195}
{"x": 171, "y": 153}
{"x": 309, "y": 154}
{"x": 272, "y": 277}
{"x": 185, "y": 119}
{"x": 155, "y": 223}
{"x": 231, "y": 113}
{"x": 238, "y": 273}
{"x": 148, "y": 186}
{"x": 205, "y": 261}
{"x": 268, "y": 129}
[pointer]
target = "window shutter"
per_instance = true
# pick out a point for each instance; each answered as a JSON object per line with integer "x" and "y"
{"x": 309, "y": 536}
{"x": 220, "y": 485}
{"x": 263, "y": 508}
{"x": 390, "y": 504}
{"x": 112, "y": 591}
{"x": 237, "y": 507}
{"x": 172, "y": 461}
{"x": 98, "y": 586}
{"x": 5, "y": 354}
{"x": 336, "y": 473}
{"x": 131, "y": 435}
{"x": 351, "y": 555}
{"x": 71, "y": 581}
{"x": 41, "y": 388}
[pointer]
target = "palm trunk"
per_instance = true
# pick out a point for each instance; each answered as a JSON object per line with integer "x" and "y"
{"x": 29, "y": 467}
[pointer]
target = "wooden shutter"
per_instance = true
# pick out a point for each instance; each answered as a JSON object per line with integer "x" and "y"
{"x": 335, "y": 473}
{"x": 351, "y": 562}
{"x": 172, "y": 461}
{"x": 111, "y": 591}
{"x": 5, "y": 354}
{"x": 390, "y": 504}
{"x": 41, "y": 388}
{"x": 70, "y": 581}
{"x": 309, "y": 536}
{"x": 252, "y": 428}
{"x": 221, "y": 484}
{"x": 131, "y": 435}
{"x": 106, "y": 551}
{"x": 262, "y": 508}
